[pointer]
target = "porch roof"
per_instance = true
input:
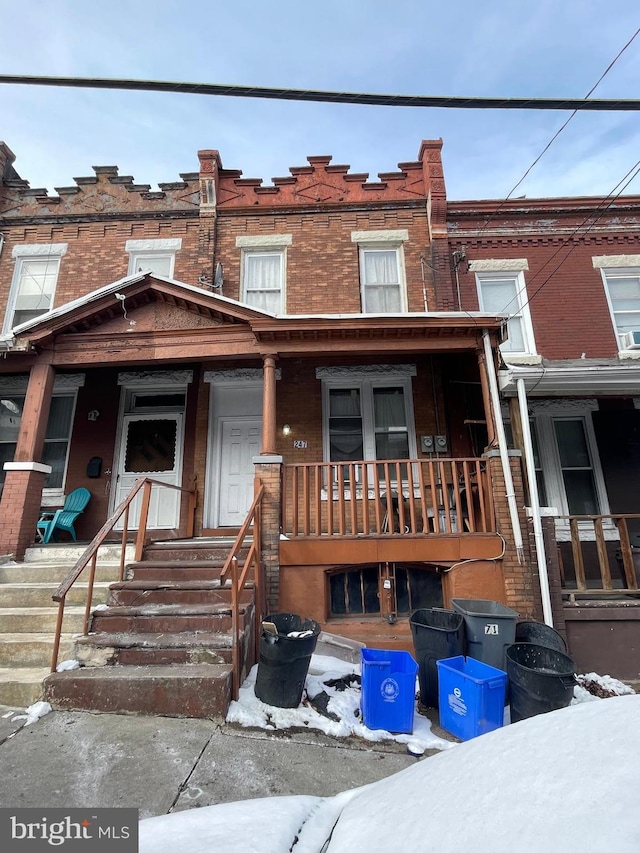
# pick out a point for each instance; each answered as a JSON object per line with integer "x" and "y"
{"x": 99, "y": 305}
{"x": 574, "y": 377}
{"x": 84, "y": 325}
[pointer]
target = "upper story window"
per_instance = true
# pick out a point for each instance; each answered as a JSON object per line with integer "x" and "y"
{"x": 382, "y": 276}
{"x": 263, "y": 271}
{"x": 34, "y": 282}
{"x": 159, "y": 256}
{"x": 502, "y": 290}
{"x": 621, "y": 277}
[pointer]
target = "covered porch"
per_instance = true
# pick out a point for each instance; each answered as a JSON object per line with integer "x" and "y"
{"x": 584, "y": 425}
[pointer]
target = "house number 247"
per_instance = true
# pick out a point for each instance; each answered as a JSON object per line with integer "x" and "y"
{"x": 299, "y": 444}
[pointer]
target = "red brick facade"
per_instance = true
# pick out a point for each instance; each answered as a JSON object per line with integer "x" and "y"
{"x": 320, "y": 207}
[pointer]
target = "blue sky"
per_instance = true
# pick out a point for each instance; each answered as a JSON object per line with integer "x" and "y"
{"x": 511, "y": 48}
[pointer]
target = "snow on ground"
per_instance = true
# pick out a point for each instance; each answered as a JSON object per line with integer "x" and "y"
{"x": 562, "y": 781}
{"x": 249, "y": 711}
{"x": 33, "y": 713}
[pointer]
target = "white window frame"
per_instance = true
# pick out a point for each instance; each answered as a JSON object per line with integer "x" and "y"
{"x": 264, "y": 244}
{"x": 491, "y": 269}
{"x": 65, "y": 386}
{"x": 49, "y": 252}
{"x": 365, "y": 382}
{"x": 545, "y": 413}
{"x": 141, "y": 252}
{"x": 611, "y": 266}
{"x": 387, "y": 240}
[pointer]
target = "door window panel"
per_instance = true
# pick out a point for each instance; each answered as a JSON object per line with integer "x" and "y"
{"x": 151, "y": 446}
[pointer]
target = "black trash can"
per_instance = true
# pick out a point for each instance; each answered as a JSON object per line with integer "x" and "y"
{"x": 437, "y": 634}
{"x": 540, "y": 680}
{"x": 541, "y": 635}
{"x": 284, "y": 659}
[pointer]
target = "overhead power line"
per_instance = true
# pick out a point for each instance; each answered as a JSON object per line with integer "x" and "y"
{"x": 318, "y": 95}
{"x": 559, "y": 131}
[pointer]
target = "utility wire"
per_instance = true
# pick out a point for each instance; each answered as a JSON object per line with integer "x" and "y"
{"x": 558, "y": 132}
{"x": 635, "y": 169}
{"x": 607, "y": 201}
{"x": 319, "y": 95}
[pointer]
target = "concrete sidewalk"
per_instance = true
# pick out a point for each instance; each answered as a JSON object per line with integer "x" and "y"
{"x": 163, "y": 764}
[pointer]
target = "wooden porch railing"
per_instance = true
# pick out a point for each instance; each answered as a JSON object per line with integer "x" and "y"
{"x": 596, "y": 555}
{"x": 240, "y": 578}
{"x": 384, "y": 498}
{"x": 90, "y": 555}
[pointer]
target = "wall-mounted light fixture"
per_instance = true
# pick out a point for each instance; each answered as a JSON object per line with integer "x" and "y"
{"x": 286, "y": 429}
{"x": 93, "y": 415}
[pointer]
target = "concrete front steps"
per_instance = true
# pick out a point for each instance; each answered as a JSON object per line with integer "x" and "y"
{"x": 163, "y": 643}
{"x": 28, "y": 615}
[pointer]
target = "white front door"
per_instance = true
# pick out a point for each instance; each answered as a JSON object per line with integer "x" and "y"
{"x": 240, "y": 442}
{"x": 151, "y": 446}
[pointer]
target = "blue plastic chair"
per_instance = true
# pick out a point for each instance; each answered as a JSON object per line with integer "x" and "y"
{"x": 63, "y": 519}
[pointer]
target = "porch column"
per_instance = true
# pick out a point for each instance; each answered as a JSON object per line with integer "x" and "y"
{"x": 25, "y": 476}
{"x": 486, "y": 399}
{"x": 269, "y": 473}
{"x": 269, "y": 406}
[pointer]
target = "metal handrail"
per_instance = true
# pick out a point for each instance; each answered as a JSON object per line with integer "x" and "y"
{"x": 90, "y": 555}
{"x": 253, "y": 559}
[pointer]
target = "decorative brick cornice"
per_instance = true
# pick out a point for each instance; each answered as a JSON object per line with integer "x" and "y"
{"x": 104, "y": 194}
{"x": 326, "y": 184}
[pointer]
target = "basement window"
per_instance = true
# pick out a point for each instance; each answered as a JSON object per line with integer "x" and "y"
{"x": 384, "y": 589}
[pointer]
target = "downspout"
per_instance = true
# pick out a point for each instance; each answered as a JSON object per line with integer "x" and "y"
{"x": 541, "y": 554}
{"x": 502, "y": 446}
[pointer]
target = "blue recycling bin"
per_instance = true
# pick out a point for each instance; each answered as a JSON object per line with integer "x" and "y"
{"x": 388, "y": 690}
{"x": 471, "y": 696}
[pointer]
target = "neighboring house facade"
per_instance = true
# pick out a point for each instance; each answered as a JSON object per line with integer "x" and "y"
{"x": 567, "y": 272}
{"x": 330, "y": 337}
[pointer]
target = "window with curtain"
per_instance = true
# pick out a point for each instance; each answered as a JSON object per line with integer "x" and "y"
{"x": 505, "y": 293}
{"x": 390, "y": 423}
{"x": 57, "y": 437}
{"x": 262, "y": 284}
{"x": 623, "y": 288}
{"x": 369, "y": 419}
{"x": 382, "y": 289}
{"x": 346, "y": 439}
